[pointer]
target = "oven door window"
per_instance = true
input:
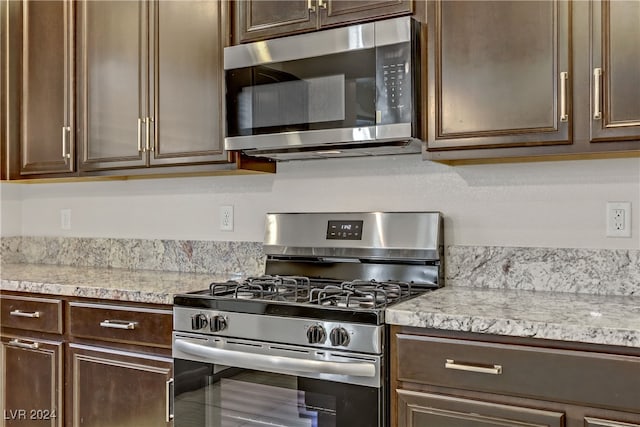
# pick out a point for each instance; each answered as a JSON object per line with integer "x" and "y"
{"x": 209, "y": 395}
{"x": 328, "y": 92}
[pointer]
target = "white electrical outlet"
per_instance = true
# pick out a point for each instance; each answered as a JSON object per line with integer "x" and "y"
{"x": 226, "y": 218}
{"x": 65, "y": 219}
{"x": 618, "y": 219}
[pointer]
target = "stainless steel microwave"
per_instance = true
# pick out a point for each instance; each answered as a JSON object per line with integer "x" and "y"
{"x": 350, "y": 91}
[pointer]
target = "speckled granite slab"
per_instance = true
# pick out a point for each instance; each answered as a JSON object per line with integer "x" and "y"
{"x": 194, "y": 256}
{"x": 592, "y": 271}
{"x": 599, "y": 319}
{"x": 155, "y": 287}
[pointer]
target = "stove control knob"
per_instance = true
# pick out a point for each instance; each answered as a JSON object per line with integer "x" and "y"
{"x": 217, "y": 323}
{"x": 316, "y": 334}
{"x": 339, "y": 337}
{"x": 198, "y": 321}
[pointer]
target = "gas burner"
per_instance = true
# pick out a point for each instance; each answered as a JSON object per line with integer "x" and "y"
{"x": 277, "y": 288}
{"x": 360, "y": 294}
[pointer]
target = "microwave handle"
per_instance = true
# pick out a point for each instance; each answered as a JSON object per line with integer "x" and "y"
{"x": 278, "y": 363}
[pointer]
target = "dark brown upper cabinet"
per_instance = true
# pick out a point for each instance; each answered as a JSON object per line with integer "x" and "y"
{"x": 39, "y": 124}
{"x": 4, "y": 165}
{"x": 499, "y": 74}
{"x": 265, "y": 19}
{"x": 615, "y": 58}
{"x": 150, "y": 84}
{"x": 497, "y": 88}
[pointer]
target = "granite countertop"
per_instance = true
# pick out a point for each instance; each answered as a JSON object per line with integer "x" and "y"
{"x": 599, "y": 319}
{"x": 148, "y": 286}
{"x": 566, "y": 316}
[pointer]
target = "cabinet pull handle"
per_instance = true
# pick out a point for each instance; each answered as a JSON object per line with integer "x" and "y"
{"x": 21, "y": 344}
{"x": 139, "y": 135}
{"x": 322, "y": 4}
{"x": 21, "y": 313}
{"x": 169, "y": 396}
{"x": 452, "y": 364}
{"x": 310, "y": 6}
{"x": 149, "y": 120}
{"x": 597, "y": 114}
{"x": 65, "y": 155}
{"x": 118, "y": 324}
{"x": 564, "y": 76}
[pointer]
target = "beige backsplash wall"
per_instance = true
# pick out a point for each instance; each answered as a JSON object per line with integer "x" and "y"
{"x": 544, "y": 204}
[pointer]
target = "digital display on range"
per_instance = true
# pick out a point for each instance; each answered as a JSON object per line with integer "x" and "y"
{"x": 344, "y": 230}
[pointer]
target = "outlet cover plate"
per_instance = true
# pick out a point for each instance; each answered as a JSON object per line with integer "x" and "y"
{"x": 226, "y": 218}
{"x": 65, "y": 219}
{"x": 618, "y": 219}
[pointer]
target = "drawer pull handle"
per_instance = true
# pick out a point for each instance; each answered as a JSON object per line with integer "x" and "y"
{"x": 21, "y": 313}
{"x": 118, "y": 324}
{"x": 21, "y": 344}
{"x": 452, "y": 364}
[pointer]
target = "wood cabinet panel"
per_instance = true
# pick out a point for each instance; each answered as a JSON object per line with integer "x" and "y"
{"x": 417, "y": 409}
{"x": 34, "y": 314}
{"x": 4, "y": 164}
{"x": 41, "y": 50}
{"x": 498, "y": 74}
{"x": 114, "y": 388}
{"x": 524, "y": 371}
{"x": 121, "y": 323}
{"x": 263, "y": 19}
{"x": 151, "y": 86}
{"x": 31, "y": 382}
{"x": 187, "y": 103}
{"x": 111, "y": 37}
{"x": 616, "y": 71}
{"x": 340, "y": 12}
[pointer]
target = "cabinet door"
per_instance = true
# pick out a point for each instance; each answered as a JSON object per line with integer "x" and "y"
{"x": 4, "y": 165}
{"x": 187, "y": 72}
{"x": 265, "y": 19}
{"x": 498, "y": 74}
{"x": 615, "y": 112}
{"x": 417, "y": 409}
{"x": 116, "y": 388}
{"x": 46, "y": 137}
{"x": 112, "y": 76}
{"x": 338, "y": 12}
{"x": 31, "y": 382}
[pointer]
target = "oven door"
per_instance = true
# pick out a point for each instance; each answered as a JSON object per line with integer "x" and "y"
{"x": 227, "y": 382}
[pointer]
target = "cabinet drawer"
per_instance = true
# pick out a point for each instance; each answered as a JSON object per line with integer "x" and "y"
{"x": 33, "y": 314}
{"x": 590, "y": 379}
{"x": 125, "y": 324}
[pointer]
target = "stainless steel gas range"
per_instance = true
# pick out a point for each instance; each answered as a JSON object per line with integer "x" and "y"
{"x": 305, "y": 344}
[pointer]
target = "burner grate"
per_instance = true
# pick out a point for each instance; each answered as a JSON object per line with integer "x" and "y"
{"x": 356, "y": 294}
{"x": 279, "y": 288}
{"x": 360, "y": 294}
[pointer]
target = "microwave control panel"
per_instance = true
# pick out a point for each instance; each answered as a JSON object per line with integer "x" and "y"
{"x": 393, "y": 82}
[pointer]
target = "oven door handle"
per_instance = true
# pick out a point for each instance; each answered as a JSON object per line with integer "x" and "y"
{"x": 278, "y": 363}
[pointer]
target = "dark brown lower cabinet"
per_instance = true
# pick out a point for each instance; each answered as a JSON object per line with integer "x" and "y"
{"x": 459, "y": 379}
{"x": 110, "y": 387}
{"x": 417, "y": 409}
{"x": 77, "y": 362}
{"x": 32, "y": 393}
